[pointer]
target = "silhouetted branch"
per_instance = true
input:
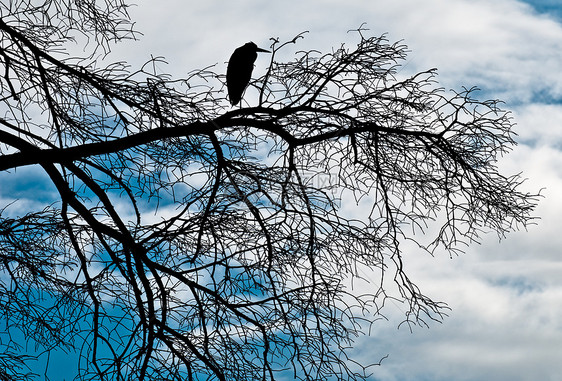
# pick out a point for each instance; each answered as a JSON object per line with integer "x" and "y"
{"x": 229, "y": 256}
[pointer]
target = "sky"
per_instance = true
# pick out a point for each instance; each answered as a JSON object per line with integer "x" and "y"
{"x": 505, "y": 296}
{"x": 505, "y": 321}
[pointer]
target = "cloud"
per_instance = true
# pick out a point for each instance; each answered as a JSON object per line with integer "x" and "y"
{"x": 503, "y": 46}
{"x": 539, "y": 125}
{"x": 506, "y": 297}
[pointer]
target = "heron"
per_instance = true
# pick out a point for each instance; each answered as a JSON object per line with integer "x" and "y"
{"x": 239, "y": 70}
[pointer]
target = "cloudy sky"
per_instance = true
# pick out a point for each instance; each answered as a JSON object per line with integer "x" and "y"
{"x": 506, "y": 297}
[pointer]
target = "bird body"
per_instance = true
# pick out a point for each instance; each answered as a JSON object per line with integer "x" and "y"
{"x": 239, "y": 70}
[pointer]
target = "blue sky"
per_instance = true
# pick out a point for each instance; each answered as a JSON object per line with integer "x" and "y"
{"x": 547, "y": 7}
{"x": 506, "y": 297}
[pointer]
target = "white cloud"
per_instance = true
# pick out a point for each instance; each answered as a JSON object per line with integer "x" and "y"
{"x": 502, "y": 45}
{"x": 540, "y": 124}
{"x": 494, "y": 331}
{"x": 506, "y": 297}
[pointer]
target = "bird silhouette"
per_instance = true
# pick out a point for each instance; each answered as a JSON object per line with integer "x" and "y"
{"x": 239, "y": 70}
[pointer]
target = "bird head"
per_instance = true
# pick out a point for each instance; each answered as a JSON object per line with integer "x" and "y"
{"x": 253, "y": 47}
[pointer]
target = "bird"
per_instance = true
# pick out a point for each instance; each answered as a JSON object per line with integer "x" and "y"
{"x": 239, "y": 70}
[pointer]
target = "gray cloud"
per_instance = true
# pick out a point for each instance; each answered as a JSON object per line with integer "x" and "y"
{"x": 506, "y": 297}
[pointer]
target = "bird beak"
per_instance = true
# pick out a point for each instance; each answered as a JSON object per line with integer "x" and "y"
{"x": 262, "y": 50}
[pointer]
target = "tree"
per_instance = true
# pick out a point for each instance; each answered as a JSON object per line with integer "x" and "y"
{"x": 190, "y": 240}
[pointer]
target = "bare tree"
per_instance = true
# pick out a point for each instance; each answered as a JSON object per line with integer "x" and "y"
{"x": 190, "y": 239}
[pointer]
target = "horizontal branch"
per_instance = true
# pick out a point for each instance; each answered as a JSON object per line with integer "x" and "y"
{"x": 61, "y": 155}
